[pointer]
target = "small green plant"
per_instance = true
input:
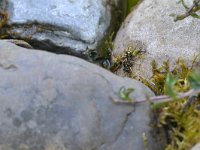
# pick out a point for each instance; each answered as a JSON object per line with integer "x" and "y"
{"x": 171, "y": 94}
{"x": 178, "y": 83}
{"x": 124, "y": 94}
{"x": 194, "y": 80}
{"x": 170, "y": 82}
{"x": 177, "y": 102}
{"x": 190, "y": 10}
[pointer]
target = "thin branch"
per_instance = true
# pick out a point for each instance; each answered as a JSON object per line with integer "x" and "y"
{"x": 159, "y": 99}
{"x": 191, "y": 11}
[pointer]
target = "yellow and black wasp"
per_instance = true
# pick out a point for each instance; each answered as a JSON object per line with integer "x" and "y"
{"x": 125, "y": 61}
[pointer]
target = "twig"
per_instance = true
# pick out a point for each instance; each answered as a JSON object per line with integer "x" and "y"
{"x": 21, "y": 43}
{"x": 159, "y": 99}
{"x": 194, "y": 8}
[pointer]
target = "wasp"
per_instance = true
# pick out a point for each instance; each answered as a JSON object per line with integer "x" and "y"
{"x": 129, "y": 57}
{"x": 126, "y": 61}
{"x": 127, "y": 66}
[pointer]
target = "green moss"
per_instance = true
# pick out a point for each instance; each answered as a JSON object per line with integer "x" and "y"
{"x": 130, "y": 5}
{"x": 182, "y": 125}
{"x": 180, "y": 118}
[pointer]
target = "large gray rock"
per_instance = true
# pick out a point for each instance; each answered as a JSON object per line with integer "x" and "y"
{"x": 64, "y": 26}
{"x": 196, "y": 147}
{"x": 150, "y": 28}
{"x": 58, "y": 102}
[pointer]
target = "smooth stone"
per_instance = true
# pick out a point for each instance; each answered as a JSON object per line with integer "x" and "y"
{"x": 151, "y": 28}
{"x": 60, "y": 102}
{"x": 64, "y": 26}
{"x": 196, "y": 147}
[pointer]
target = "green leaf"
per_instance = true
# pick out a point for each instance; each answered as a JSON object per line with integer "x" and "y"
{"x": 194, "y": 15}
{"x": 125, "y": 93}
{"x": 158, "y": 105}
{"x": 128, "y": 91}
{"x": 194, "y": 79}
{"x": 184, "y": 4}
{"x": 169, "y": 85}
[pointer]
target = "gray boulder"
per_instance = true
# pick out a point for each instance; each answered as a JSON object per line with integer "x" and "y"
{"x": 58, "y": 102}
{"x": 150, "y": 27}
{"x": 196, "y": 147}
{"x": 64, "y": 26}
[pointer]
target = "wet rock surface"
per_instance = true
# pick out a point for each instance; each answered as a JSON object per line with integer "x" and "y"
{"x": 60, "y": 102}
{"x": 64, "y": 26}
{"x": 150, "y": 28}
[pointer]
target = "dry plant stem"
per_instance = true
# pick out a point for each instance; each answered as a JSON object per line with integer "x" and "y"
{"x": 192, "y": 8}
{"x": 160, "y": 99}
{"x": 21, "y": 43}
